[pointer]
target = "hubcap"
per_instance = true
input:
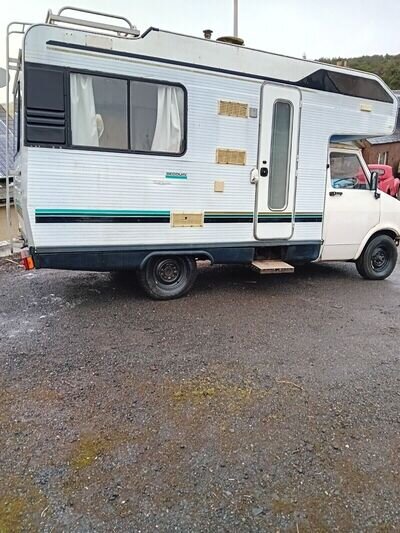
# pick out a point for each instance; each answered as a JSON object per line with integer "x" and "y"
{"x": 168, "y": 271}
{"x": 379, "y": 259}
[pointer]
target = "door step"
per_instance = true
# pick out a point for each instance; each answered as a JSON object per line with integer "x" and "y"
{"x": 272, "y": 266}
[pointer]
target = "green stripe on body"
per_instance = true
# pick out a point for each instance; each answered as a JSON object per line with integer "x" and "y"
{"x": 166, "y": 214}
{"x": 100, "y": 212}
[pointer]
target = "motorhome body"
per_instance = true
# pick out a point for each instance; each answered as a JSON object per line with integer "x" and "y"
{"x": 150, "y": 152}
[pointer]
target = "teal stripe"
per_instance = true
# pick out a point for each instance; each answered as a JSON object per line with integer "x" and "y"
{"x": 174, "y": 177}
{"x": 165, "y": 214}
{"x": 99, "y": 212}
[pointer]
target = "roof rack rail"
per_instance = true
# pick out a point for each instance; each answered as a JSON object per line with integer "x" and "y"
{"x": 130, "y": 31}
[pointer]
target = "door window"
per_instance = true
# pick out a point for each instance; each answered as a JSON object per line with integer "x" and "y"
{"x": 280, "y": 155}
{"x": 347, "y": 172}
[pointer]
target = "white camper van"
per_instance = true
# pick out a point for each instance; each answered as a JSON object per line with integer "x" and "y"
{"x": 150, "y": 151}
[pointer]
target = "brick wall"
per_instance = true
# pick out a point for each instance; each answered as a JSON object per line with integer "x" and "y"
{"x": 370, "y": 153}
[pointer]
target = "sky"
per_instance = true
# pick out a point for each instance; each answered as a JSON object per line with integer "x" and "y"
{"x": 317, "y": 28}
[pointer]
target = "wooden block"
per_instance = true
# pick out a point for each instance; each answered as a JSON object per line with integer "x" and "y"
{"x": 272, "y": 266}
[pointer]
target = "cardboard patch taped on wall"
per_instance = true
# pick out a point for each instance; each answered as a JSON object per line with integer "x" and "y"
{"x": 227, "y": 156}
{"x": 219, "y": 186}
{"x": 233, "y": 109}
{"x": 186, "y": 219}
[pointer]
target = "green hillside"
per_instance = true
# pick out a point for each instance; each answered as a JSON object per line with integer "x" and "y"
{"x": 387, "y": 67}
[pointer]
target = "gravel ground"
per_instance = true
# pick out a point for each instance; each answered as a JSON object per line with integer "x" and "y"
{"x": 253, "y": 404}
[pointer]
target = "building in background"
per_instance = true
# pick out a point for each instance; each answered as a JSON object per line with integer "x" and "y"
{"x": 384, "y": 150}
{"x": 3, "y": 219}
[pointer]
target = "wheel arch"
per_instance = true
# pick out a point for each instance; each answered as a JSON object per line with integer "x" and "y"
{"x": 200, "y": 254}
{"x": 375, "y": 233}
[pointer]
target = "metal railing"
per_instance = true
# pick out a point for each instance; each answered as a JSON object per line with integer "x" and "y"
{"x": 12, "y": 64}
{"x": 130, "y": 31}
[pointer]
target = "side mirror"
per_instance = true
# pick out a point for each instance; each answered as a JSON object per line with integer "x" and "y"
{"x": 374, "y": 183}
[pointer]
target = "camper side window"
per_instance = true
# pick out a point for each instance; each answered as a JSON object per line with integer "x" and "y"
{"x": 100, "y": 116}
{"x": 99, "y": 111}
{"x": 156, "y": 117}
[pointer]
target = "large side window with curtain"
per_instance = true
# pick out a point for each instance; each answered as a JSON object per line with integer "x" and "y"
{"x": 157, "y": 117}
{"x": 100, "y": 118}
{"x": 99, "y": 111}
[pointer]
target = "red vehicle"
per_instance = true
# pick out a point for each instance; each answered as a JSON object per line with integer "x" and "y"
{"x": 386, "y": 181}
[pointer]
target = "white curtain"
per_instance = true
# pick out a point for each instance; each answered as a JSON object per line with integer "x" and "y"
{"x": 169, "y": 125}
{"x": 84, "y": 122}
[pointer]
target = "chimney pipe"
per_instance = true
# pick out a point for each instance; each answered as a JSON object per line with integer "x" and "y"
{"x": 235, "y": 18}
{"x": 207, "y": 34}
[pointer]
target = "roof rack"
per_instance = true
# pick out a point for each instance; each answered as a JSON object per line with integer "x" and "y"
{"x": 130, "y": 31}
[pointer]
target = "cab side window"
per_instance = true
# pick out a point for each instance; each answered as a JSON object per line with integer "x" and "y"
{"x": 347, "y": 172}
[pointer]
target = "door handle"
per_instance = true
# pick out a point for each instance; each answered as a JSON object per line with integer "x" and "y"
{"x": 254, "y": 176}
{"x": 264, "y": 172}
{"x": 335, "y": 193}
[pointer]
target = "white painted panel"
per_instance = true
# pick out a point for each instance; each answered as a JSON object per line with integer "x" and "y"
{"x": 77, "y": 179}
{"x": 350, "y": 215}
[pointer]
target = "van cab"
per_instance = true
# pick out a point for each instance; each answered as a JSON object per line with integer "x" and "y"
{"x": 362, "y": 223}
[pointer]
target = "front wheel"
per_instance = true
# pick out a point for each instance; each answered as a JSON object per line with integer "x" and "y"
{"x": 378, "y": 259}
{"x": 168, "y": 277}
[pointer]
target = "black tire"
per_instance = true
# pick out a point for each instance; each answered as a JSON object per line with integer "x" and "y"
{"x": 378, "y": 259}
{"x": 165, "y": 277}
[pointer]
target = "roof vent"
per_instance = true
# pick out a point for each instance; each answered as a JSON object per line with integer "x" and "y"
{"x": 207, "y": 34}
{"x": 231, "y": 40}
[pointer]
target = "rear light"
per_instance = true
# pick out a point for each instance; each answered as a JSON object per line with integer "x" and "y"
{"x": 27, "y": 259}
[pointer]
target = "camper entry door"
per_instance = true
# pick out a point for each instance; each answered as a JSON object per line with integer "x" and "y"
{"x": 277, "y": 162}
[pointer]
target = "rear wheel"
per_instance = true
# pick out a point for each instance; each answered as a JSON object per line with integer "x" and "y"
{"x": 167, "y": 277}
{"x": 378, "y": 259}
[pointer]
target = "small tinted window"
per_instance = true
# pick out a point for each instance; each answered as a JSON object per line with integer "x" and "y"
{"x": 156, "y": 117}
{"x": 99, "y": 111}
{"x": 348, "y": 84}
{"x": 44, "y": 88}
{"x": 44, "y": 105}
{"x": 347, "y": 172}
